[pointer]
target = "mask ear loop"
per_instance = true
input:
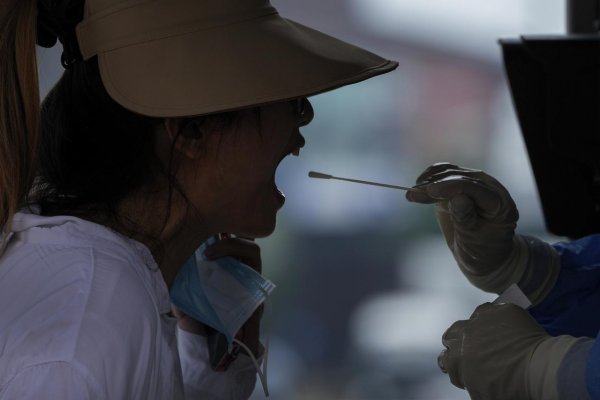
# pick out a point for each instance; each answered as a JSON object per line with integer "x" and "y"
{"x": 262, "y": 373}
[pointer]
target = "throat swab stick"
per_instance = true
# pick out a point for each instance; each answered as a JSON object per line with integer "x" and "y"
{"x": 321, "y": 175}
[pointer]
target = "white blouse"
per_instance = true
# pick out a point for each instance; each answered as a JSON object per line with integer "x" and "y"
{"x": 84, "y": 315}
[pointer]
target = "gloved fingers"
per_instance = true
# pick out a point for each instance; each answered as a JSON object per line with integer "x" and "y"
{"x": 432, "y": 170}
{"x": 425, "y": 196}
{"x": 485, "y": 179}
{"x": 456, "y": 170}
{"x": 453, "y": 336}
{"x": 448, "y": 364}
{"x": 427, "y": 177}
{"x": 451, "y": 362}
{"x": 445, "y": 222}
{"x": 441, "y": 360}
{"x": 462, "y": 211}
{"x": 484, "y": 309}
{"x": 420, "y": 196}
{"x": 498, "y": 317}
{"x": 502, "y": 205}
{"x": 474, "y": 174}
{"x": 485, "y": 198}
{"x": 490, "y": 353}
{"x": 506, "y": 314}
{"x": 449, "y": 359}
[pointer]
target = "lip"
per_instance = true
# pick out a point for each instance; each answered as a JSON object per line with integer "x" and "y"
{"x": 287, "y": 153}
{"x": 298, "y": 142}
{"x": 278, "y": 193}
{"x": 280, "y": 196}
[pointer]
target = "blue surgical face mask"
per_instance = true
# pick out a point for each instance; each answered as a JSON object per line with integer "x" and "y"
{"x": 221, "y": 293}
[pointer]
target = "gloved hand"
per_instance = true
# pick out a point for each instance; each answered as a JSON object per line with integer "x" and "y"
{"x": 478, "y": 219}
{"x": 502, "y": 353}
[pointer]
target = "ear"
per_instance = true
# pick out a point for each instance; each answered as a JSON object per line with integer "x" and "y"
{"x": 189, "y": 139}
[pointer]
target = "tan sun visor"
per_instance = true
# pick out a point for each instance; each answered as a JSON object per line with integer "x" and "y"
{"x": 133, "y": 22}
{"x": 169, "y": 58}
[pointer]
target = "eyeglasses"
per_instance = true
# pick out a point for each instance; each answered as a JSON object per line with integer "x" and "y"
{"x": 301, "y": 106}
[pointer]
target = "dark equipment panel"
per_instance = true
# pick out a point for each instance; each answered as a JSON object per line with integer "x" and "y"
{"x": 555, "y": 86}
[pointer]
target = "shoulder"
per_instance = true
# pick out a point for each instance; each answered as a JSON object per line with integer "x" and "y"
{"x": 53, "y": 277}
{"x": 67, "y": 255}
{"x": 74, "y": 302}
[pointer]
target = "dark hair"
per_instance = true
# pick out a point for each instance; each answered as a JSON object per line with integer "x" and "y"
{"x": 93, "y": 152}
{"x": 19, "y": 105}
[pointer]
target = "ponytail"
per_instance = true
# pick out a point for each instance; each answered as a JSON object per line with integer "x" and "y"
{"x": 19, "y": 106}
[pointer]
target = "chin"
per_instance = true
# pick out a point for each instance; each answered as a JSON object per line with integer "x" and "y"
{"x": 260, "y": 231}
{"x": 264, "y": 232}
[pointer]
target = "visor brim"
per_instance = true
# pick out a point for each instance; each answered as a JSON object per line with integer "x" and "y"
{"x": 231, "y": 67}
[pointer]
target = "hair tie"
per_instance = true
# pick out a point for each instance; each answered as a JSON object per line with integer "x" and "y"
{"x": 56, "y": 20}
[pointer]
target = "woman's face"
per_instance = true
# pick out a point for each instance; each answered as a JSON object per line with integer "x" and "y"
{"x": 241, "y": 164}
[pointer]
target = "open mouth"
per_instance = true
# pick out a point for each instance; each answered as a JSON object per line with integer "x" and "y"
{"x": 278, "y": 193}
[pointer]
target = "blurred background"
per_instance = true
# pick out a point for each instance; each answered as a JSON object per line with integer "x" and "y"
{"x": 365, "y": 283}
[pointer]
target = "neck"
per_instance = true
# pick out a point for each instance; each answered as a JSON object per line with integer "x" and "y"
{"x": 172, "y": 237}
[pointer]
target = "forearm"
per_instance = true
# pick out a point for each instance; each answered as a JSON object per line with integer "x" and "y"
{"x": 567, "y": 308}
{"x": 547, "y": 366}
{"x": 541, "y": 270}
{"x": 532, "y": 264}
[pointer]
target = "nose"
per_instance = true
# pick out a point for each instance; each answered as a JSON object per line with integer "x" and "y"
{"x": 306, "y": 114}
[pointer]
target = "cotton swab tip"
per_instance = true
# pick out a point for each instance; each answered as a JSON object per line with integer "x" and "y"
{"x": 319, "y": 175}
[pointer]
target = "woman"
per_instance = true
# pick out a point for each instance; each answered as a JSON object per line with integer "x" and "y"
{"x": 165, "y": 129}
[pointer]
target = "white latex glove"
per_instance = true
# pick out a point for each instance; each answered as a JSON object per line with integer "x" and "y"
{"x": 502, "y": 353}
{"x": 478, "y": 219}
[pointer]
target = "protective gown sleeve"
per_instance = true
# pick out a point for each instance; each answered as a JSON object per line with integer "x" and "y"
{"x": 199, "y": 379}
{"x": 571, "y": 309}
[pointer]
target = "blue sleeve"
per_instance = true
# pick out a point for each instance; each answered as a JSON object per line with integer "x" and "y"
{"x": 572, "y": 382}
{"x": 570, "y": 307}
{"x": 593, "y": 371}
